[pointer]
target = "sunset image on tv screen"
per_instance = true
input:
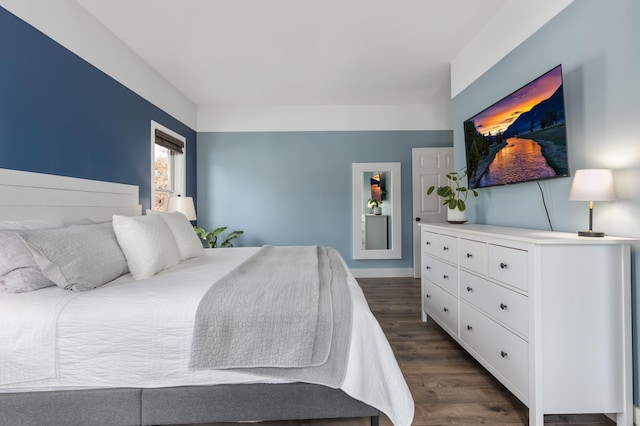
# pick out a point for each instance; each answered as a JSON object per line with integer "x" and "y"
{"x": 521, "y": 137}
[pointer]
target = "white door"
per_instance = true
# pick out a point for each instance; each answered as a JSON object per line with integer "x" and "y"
{"x": 429, "y": 167}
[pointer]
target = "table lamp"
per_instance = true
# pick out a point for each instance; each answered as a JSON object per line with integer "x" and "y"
{"x": 183, "y": 205}
{"x": 592, "y": 185}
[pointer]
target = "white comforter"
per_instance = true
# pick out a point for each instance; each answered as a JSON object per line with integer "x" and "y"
{"x": 138, "y": 334}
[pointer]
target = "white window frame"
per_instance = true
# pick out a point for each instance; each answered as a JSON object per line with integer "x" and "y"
{"x": 179, "y": 163}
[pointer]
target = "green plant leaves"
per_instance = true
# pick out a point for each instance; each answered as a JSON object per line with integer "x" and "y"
{"x": 231, "y": 236}
{"x": 454, "y": 194}
{"x": 445, "y": 191}
{"x": 211, "y": 238}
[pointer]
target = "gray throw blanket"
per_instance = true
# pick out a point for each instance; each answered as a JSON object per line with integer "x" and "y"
{"x": 285, "y": 312}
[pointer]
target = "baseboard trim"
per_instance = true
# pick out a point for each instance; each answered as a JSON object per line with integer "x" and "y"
{"x": 382, "y": 272}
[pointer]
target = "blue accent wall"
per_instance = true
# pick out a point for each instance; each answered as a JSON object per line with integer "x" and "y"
{"x": 61, "y": 115}
{"x": 294, "y": 188}
{"x": 596, "y": 43}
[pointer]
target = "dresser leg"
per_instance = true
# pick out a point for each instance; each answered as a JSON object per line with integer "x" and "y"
{"x": 624, "y": 419}
{"x": 536, "y": 417}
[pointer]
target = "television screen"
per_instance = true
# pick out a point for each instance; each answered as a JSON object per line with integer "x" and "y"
{"x": 521, "y": 137}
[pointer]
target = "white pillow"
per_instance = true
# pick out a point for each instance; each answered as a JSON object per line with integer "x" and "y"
{"x": 147, "y": 243}
{"x": 79, "y": 257}
{"x": 189, "y": 244}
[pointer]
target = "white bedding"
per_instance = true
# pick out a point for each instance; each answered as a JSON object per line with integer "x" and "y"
{"x": 138, "y": 334}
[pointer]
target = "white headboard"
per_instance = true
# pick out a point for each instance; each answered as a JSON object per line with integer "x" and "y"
{"x": 27, "y": 195}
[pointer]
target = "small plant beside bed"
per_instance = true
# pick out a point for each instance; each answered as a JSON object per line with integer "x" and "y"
{"x": 210, "y": 238}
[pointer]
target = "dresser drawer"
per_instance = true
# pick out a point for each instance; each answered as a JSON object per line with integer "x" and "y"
{"x": 447, "y": 248}
{"x": 429, "y": 242}
{"x": 473, "y": 255}
{"x": 506, "y": 306}
{"x": 442, "y": 306}
{"x": 505, "y": 351}
{"x": 509, "y": 265}
{"x": 443, "y": 274}
{"x": 440, "y": 245}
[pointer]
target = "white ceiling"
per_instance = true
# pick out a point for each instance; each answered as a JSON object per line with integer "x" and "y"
{"x": 299, "y": 52}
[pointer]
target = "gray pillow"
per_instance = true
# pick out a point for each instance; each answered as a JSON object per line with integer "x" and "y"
{"x": 78, "y": 257}
{"x": 25, "y": 279}
{"x": 18, "y": 269}
{"x": 23, "y": 225}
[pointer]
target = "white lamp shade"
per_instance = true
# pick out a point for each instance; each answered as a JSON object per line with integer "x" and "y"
{"x": 592, "y": 185}
{"x": 183, "y": 205}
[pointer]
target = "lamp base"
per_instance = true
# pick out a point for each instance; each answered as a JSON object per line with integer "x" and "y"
{"x": 590, "y": 234}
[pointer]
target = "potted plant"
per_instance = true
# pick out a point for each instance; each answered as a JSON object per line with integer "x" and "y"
{"x": 455, "y": 195}
{"x": 210, "y": 238}
{"x": 374, "y": 205}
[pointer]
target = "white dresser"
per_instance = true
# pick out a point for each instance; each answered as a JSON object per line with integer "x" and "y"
{"x": 547, "y": 313}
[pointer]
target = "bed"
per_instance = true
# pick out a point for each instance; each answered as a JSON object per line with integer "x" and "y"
{"x": 116, "y": 354}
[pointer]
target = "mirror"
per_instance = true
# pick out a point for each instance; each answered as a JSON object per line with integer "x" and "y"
{"x": 377, "y": 232}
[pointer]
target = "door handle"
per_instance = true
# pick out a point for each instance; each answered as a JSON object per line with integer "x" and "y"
{"x": 417, "y": 219}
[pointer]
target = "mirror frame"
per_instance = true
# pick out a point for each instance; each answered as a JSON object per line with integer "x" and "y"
{"x": 395, "y": 252}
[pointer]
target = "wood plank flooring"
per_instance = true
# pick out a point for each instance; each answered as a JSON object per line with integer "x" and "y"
{"x": 448, "y": 386}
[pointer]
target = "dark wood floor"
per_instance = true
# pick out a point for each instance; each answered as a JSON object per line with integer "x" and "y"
{"x": 448, "y": 386}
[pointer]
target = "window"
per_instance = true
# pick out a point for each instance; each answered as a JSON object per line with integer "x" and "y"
{"x": 168, "y": 166}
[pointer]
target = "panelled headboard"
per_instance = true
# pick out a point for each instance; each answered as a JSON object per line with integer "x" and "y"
{"x": 27, "y": 195}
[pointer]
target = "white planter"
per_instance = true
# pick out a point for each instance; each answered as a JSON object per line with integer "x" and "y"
{"x": 377, "y": 210}
{"x": 456, "y": 216}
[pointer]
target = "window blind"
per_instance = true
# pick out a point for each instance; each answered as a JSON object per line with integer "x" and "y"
{"x": 167, "y": 141}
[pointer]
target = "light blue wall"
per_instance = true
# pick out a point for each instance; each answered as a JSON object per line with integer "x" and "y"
{"x": 596, "y": 43}
{"x": 294, "y": 188}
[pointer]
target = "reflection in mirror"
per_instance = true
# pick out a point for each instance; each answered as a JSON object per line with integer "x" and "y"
{"x": 375, "y": 219}
{"x": 376, "y": 211}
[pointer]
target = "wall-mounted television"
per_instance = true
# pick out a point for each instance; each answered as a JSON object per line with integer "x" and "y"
{"x": 520, "y": 138}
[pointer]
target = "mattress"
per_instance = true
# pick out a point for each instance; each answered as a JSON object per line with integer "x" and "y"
{"x": 138, "y": 334}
